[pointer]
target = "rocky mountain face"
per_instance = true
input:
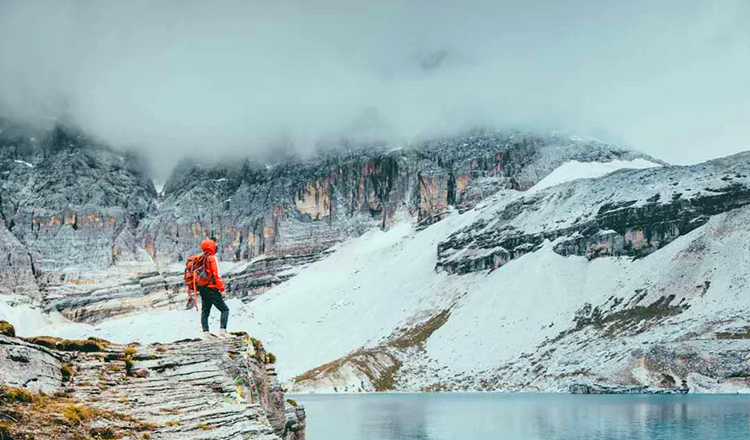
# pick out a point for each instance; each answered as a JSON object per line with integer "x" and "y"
{"x": 84, "y": 231}
{"x": 303, "y": 207}
{"x": 216, "y": 389}
{"x": 629, "y": 213}
{"x": 67, "y": 204}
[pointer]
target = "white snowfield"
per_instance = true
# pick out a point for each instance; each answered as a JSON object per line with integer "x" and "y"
{"x": 574, "y": 170}
{"x": 503, "y": 325}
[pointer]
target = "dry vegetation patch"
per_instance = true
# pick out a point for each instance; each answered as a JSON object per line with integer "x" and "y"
{"x": 741, "y": 333}
{"x": 420, "y": 333}
{"x": 381, "y": 364}
{"x": 90, "y": 345}
{"x": 27, "y": 416}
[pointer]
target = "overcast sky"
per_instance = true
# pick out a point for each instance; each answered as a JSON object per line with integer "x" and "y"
{"x": 668, "y": 77}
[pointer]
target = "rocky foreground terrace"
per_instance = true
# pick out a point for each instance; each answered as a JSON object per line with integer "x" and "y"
{"x": 216, "y": 389}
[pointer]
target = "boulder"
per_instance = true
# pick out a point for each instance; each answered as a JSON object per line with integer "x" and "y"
{"x": 30, "y": 366}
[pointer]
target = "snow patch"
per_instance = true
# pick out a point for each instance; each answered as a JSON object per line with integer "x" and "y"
{"x": 574, "y": 170}
{"x": 30, "y": 320}
{"x": 23, "y": 162}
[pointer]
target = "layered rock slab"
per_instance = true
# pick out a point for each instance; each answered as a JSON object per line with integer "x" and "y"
{"x": 190, "y": 390}
{"x": 216, "y": 389}
{"x": 30, "y": 366}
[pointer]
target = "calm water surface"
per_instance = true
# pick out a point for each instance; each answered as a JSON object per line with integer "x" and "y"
{"x": 525, "y": 417}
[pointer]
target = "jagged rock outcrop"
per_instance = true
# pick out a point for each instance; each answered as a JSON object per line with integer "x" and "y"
{"x": 216, "y": 389}
{"x": 628, "y": 213}
{"x": 303, "y": 207}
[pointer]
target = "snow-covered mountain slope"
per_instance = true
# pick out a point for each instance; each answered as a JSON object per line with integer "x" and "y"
{"x": 550, "y": 322}
{"x": 84, "y": 232}
{"x": 357, "y": 295}
{"x": 675, "y": 318}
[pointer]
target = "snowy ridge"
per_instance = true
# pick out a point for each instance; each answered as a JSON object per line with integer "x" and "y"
{"x": 574, "y": 170}
{"x": 649, "y": 207}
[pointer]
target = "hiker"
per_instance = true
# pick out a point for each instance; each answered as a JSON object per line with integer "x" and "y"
{"x": 211, "y": 292}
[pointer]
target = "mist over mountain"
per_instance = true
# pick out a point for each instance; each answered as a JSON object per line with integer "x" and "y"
{"x": 239, "y": 78}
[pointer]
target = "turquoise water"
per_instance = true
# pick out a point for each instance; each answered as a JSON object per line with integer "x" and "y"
{"x": 525, "y": 417}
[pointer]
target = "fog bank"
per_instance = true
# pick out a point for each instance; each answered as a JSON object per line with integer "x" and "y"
{"x": 170, "y": 78}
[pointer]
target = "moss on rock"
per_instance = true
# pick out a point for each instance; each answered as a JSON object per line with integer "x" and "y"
{"x": 61, "y": 417}
{"x": 90, "y": 345}
{"x": 7, "y": 329}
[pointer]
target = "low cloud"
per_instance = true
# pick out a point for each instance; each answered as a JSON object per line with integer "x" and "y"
{"x": 229, "y": 77}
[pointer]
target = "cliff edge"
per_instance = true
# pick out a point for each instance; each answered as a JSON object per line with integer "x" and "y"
{"x": 216, "y": 389}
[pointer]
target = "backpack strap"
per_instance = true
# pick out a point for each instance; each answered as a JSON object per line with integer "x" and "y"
{"x": 195, "y": 287}
{"x": 212, "y": 280}
{"x": 195, "y": 281}
{"x": 192, "y": 290}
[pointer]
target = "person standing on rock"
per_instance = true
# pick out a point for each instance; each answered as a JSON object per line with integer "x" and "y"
{"x": 211, "y": 293}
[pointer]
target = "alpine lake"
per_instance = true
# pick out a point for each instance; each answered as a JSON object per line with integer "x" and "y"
{"x": 500, "y": 416}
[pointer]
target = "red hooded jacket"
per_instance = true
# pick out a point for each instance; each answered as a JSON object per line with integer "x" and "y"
{"x": 212, "y": 266}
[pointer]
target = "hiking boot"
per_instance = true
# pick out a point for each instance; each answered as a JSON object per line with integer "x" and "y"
{"x": 224, "y": 334}
{"x": 207, "y": 335}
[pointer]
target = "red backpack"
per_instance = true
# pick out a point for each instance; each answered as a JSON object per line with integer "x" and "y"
{"x": 196, "y": 274}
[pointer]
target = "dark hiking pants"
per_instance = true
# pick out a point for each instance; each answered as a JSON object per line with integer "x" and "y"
{"x": 212, "y": 297}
